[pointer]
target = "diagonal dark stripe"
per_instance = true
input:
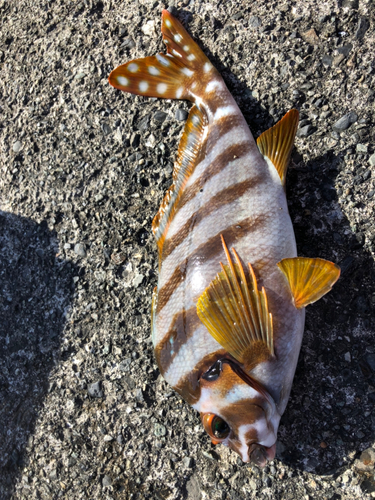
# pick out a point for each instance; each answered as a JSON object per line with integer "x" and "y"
{"x": 224, "y": 197}
{"x": 183, "y": 327}
{"x": 206, "y": 251}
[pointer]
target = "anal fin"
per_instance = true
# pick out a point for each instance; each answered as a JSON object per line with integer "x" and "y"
{"x": 236, "y": 313}
{"x": 276, "y": 143}
{"x": 309, "y": 279}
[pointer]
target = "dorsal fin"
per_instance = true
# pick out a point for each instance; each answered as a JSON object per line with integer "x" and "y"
{"x": 309, "y": 279}
{"x": 236, "y": 313}
{"x": 276, "y": 143}
{"x": 188, "y": 150}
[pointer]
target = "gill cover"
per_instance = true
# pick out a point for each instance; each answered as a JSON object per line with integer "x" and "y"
{"x": 236, "y": 414}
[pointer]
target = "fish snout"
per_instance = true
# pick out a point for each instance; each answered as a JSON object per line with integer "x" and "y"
{"x": 259, "y": 455}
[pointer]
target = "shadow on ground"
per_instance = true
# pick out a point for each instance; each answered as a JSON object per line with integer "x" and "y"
{"x": 329, "y": 419}
{"x": 36, "y": 289}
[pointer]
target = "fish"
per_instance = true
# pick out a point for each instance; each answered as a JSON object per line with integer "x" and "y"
{"x": 228, "y": 311}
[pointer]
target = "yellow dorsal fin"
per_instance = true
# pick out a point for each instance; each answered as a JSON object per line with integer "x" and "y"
{"x": 276, "y": 143}
{"x": 236, "y": 313}
{"x": 309, "y": 279}
{"x": 188, "y": 151}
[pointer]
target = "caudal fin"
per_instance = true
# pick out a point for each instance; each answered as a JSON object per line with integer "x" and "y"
{"x": 174, "y": 75}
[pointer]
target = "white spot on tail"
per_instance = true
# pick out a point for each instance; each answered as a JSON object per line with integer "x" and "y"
{"x": 187, "y": 71}
{"x": 176, "y": 53}
{"x": 177, "y": 38}
{"x": 143, "y": 86}
{"x": 161, "y": 88}
{"x": 195, "y": 120}
{"x": 162, "y": 60}
{"x": 191, "y": 57}
{"x": 214, "y": 84}
{"x": 186, "y": 48}
{"x": 133, "y": 67}
{"x": 224, "y": 111}
{"x": 123, "y": 81}
{"x": 153, "y": 71}
{"x": 168, "y": 23}
{"x": 207, "y": 67}
{"x": 179, "y": 92}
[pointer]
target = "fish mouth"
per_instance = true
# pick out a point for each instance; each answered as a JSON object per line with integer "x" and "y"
{"x": 260, "y": 455}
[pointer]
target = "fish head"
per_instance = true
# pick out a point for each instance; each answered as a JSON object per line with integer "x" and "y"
{"x": 237, "y": 412}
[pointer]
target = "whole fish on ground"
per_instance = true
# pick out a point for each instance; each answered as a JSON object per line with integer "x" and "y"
{"x": 228, "y": 312}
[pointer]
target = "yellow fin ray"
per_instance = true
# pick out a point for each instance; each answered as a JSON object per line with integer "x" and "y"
{"x": 236, "y": 313}
{"x": 276, "y": 143}
{"x": 309, "y": 279}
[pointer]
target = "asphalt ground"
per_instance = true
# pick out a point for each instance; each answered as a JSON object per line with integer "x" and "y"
{"x": 84, "y": 412}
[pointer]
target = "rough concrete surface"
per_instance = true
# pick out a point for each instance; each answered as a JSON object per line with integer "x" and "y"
{"x": 84, "y": 412}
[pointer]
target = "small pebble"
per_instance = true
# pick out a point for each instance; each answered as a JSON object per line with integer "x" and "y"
{"x": 181, "y": 115}
{"x": 345, "y": 121}
{"x": 305, "y": 131}
{"x": 128, "y": 43}
{"x": 255, "y": 22}
{"x": 139, "y": 395}
{"x": 366, "y": 461}
{"x": 135, "y": 140}
{"x": 345, "y": 49}
{"x": 106, "y": 128}
{"x": 79, "y": 249}
{"x": 151, "y": 141}
{"x": 107, "y": 481}
{"x": 137, "y": 280}
{"x": 363, "y": 26}
{"x": 188, "y": 462}
{"x": 372, "y": 160}
{"x": 159, "y": 430}
{"x": 237, "y": 16}
{"x": 311, "y": 37}
{"x": 208, "y": 454}
{"x": 350, "y": 4}
{"x": 327, "y": 61}
{"x": 149, "y": 28}
{"x": 361, "y": 148}
{"x": 95, "y": 390}
{"x": 17, "y": 146}
{"x": 144, "y": 122}
{"x": 160, "y": 116}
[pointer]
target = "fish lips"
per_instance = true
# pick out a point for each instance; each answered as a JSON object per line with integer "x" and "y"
{"x": 260, "y": 455}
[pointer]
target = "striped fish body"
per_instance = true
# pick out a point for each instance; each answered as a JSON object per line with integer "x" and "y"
{"x": 235, "y": 192}
{"x": 227, "y": 338}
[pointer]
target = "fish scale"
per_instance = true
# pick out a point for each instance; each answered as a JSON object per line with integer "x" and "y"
{"x": 228, "y": 312}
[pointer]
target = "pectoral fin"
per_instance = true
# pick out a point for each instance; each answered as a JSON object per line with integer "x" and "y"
{"x": 236, "y": 313}
{"x": 276, "y": 143}
{"x": 309, "y": 279}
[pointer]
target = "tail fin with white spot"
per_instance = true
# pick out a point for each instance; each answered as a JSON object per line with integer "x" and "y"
{"x": 175, "y": 75}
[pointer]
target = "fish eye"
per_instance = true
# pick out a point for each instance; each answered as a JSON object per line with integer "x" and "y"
{"x": 215, "y": 426}
{"x": 213, "y": 373}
